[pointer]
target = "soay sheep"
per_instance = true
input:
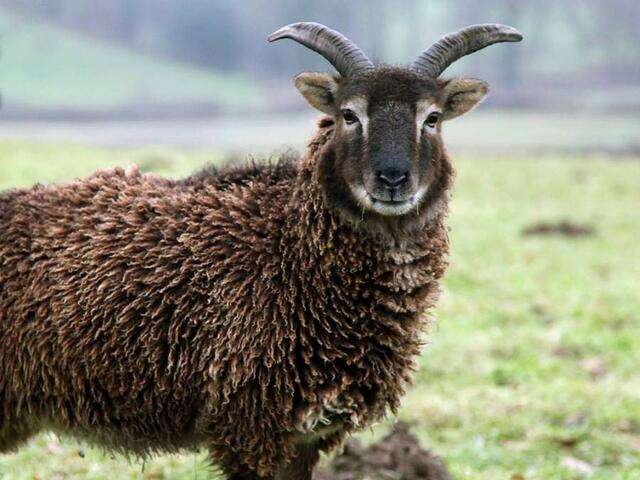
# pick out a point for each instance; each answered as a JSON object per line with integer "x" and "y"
{"x": 262, "y": 312}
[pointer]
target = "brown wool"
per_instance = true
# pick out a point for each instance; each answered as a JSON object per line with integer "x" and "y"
{"x": 234, "y": 310}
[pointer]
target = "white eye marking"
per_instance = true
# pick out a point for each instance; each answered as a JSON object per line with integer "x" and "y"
{"x": 428, "y": 115}
{"x": 356, "y": 106}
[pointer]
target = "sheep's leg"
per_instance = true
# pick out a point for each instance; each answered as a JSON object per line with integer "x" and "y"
{"x": 245, "y": 476}
{"x": 12, "y": 437}
{"x": 302, "y": 465}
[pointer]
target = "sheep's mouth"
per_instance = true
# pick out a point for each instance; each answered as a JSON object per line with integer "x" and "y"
{"x": 387, "y": 207}
{"x": 391, "y": 207}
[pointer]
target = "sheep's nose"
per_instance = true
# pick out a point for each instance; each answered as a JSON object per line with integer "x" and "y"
{"x": 393, "y": 178}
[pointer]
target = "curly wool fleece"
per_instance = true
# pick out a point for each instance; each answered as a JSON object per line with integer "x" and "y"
{"x": 233, "y": 309}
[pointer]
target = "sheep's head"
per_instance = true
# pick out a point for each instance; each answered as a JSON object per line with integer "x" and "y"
{"x": 387, "y": 142}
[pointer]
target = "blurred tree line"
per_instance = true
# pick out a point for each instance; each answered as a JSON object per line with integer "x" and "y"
{"x": 595, "y": 40}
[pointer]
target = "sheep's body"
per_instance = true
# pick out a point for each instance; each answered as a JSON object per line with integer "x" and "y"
{"x": 232, "y": 310}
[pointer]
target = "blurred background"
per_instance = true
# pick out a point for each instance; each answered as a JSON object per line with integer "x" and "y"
{"x": 531, "y": 370}
{"x": 137, "y": 72}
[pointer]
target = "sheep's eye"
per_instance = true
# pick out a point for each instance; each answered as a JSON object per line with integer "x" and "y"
{"x": 432, "y": 119}
{"x": 349, "y": 117}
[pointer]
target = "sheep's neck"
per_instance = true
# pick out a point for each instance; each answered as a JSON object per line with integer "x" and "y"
{"x": 398, "y": 273}
{"x": 359, "y": 302}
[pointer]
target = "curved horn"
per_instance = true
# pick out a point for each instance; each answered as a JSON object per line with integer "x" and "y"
{"x": 341, "y": 52}
{"x": 450, "y": 48}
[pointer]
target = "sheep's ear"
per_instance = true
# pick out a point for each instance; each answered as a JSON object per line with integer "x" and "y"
{"x": 462, "y": 95}
{"x": 319, "y": 89}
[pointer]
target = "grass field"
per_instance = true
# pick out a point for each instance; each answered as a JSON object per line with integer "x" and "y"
{"x": 51, "y": 68}
{"x": 531, "y": 371}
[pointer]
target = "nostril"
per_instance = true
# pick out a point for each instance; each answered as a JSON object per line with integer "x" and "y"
{"x": 393, "y": 179}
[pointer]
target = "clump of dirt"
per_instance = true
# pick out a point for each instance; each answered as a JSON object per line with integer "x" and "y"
{"x": 398, "y": 456}
{"x": 564, "y": 228}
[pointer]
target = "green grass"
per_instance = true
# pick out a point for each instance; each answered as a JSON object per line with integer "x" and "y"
{"x": 488, "y": 130}
{"x": 46, "y": 67}
{"x": 534, "y": 357}
{"x": 22, "y": 164}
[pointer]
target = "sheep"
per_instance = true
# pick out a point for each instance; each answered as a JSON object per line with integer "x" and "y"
{"x": 263, "y": 312}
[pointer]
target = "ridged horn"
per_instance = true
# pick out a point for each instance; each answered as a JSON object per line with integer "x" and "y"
{"x": 450, "y": 48}
{"x": 341, "y": 52}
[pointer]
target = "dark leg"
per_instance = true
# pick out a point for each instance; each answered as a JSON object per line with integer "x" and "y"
{"x": 302, "y": 465}
{"x": 244, "y": 473}
{"x": 13, "y": 437}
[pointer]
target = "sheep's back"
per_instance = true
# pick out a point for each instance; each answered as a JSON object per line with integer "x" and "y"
{"x": 110, "y": 292}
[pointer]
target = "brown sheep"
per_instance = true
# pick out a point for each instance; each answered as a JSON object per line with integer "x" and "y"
{"x": 262, "y": 312}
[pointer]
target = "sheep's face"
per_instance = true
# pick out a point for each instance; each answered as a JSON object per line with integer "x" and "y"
{"x": 387, "y": 142}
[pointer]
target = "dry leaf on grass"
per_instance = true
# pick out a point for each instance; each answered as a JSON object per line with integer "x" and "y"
{"x": 595, "y": 366}
{"x": 578, "y": 466}
{"x": 55, "y": 448}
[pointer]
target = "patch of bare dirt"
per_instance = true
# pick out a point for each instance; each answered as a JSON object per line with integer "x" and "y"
{"x": 563, "y": 228}
{"x": 398, "y": 456}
